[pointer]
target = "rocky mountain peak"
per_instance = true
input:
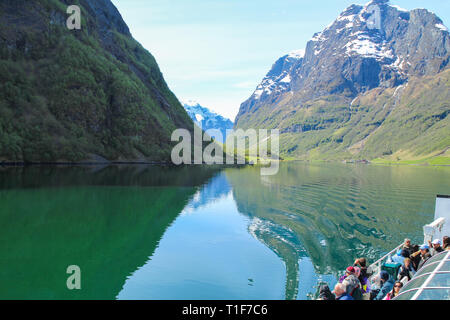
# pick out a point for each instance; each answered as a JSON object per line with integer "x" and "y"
{"x": 375, "y": 45}
{"x": 207, "y": 119}
{"x": 278, "y": 79}
{"x": 378, "y": 2}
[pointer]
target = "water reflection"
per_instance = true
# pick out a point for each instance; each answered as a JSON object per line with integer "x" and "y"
{"x": 208, "y": 253}
{"x": 106, "y": 221}
{"x": 146, "y": 232}
{"x": 215, "y": 251}
{"x": 332, "y": 213}
{"x": 216, "y": 189}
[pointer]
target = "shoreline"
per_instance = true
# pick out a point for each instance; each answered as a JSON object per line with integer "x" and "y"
{"x": 368, "y": 162}
{"x": 20, "y": 164}
{"x": 87, "y": 163}
{"x": 169, "y": 164}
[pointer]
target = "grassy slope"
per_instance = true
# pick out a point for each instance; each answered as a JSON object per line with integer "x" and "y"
{"x": 391, "y": 125}
{"x": 64, "y": 97}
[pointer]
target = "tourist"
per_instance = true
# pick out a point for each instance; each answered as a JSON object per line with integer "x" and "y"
{"x": 363, "y": 275}
{"x": 357, "y": 292}
{"x": 386, "y": 285}
{"x": 325, "y": 293}
{"x": 395, "y": 291}
{"x": 435, "y": 247}
{"x": 348, "y": 271}
{"x": 340, "y": 292}
{"x": 424, "y": 255}
{"x": 400, "y": 256}
{"x": 406, "y": 270}
{"x": 362, "y": 264}
{"x": 405, "y": 253}
{"x": 362, "y": 279}
{"x": 408, "y": 246}
{"x": 351, "y": 283}
{"x": 415, "y": 257}
{"x": 446, "y": 243}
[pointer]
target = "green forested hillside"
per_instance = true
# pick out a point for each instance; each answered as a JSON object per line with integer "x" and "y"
{"x": 409, "y": 122}
{"x": 83, "y": 94}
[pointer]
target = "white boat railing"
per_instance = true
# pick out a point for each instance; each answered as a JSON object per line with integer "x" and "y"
{"x": 433, "y": 230}
{"x": 375, "y": 267}
{"x": 430, "y": 231}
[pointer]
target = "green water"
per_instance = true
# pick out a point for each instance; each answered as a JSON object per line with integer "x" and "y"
{"x": 145, "y": 232}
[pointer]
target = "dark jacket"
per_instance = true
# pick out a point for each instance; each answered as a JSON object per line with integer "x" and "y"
{"x": 436, "y": 251}
{"x": 325, "y": 293}
{"x": 351, "y": 282}
{"x": 406, "y": 272}
{"x": 415, "y": 258}
{"x": 353, "y": 287}
{"x": 423, "y": 259}
{"x": 385, "y": 289}
{"x": 410, "y": 249}
{"x": 364, "y": 275}
{"x": 357, "y": 294}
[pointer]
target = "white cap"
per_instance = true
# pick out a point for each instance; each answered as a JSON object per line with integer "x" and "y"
{"x": 436, "y": 241}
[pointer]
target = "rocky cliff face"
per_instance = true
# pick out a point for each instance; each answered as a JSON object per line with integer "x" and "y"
{"x": 276, "y": 82}
{"x": 367, "y": 47}
{"x": 73, "y": 95}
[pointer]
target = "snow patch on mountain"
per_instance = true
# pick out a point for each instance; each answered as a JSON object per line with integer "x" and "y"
{"x": 375, "y": 45}
{"x": 367, "y": 48}
{"x": 297, "y": 54}
{"x": 398, "y": 8}
{"x": 319, "y": 37}
{"x": 207, "y": 119}
{"x": 441, "y": 27}
{"x": 279, "y": 78}
{"x": 199, "y": 117}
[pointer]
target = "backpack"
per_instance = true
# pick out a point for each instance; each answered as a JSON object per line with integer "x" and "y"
{"x": 357, "y": 293}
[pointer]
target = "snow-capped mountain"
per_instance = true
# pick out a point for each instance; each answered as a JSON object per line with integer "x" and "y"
{"x": 278, "y": 80}
{"x": 371, "y": 84}
{"x": 206, "y": 119}
{"x": 376, "y": 45}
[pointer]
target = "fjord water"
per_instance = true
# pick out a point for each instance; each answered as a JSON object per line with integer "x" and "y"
{"x": 148, "y": 232}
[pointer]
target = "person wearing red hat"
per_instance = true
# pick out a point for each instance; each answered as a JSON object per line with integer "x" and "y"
{"x": 351, "y": 283}
{"x": 350, "y": 270}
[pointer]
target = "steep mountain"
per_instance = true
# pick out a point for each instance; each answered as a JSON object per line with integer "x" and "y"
{"x": 75, "y": 95}
{"x": 373, "y": 84}
{"x": 207, "y": 119}
{"x": 277, "y": 81}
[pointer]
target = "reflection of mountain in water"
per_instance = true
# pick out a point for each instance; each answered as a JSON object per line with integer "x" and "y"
{"x": 107, "y": 222}
{"x": 334, "y": 213}
{"x": 286, "y": 245}
{"x": 215, "y": 189}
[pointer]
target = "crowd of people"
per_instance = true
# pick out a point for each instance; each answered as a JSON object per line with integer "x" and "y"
{"x": 355, "y": 283}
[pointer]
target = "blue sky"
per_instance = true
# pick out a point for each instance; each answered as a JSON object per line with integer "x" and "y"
{"x": 217, "y": 51}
